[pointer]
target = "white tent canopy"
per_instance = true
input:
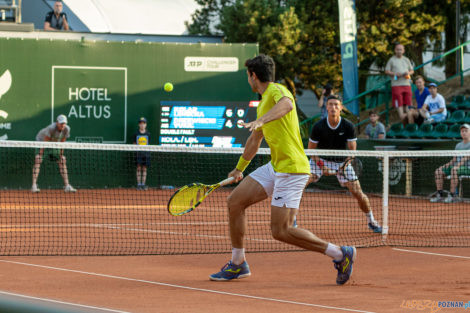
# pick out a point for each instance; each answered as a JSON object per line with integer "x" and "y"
{"x": 134, "y": 17}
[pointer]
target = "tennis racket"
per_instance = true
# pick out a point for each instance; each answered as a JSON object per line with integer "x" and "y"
{"x": 351, "y": 169}
{"x": 188, "y": 197}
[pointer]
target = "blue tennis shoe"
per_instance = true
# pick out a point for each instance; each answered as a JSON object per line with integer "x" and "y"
{"x": 375, "y": 227}
{"x": 231, "y": 271}
{"x": 345, "y": 266}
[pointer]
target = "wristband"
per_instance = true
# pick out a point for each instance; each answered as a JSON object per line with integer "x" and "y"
{"x": 242, "y": 164}
{"x": 320, "y": 163}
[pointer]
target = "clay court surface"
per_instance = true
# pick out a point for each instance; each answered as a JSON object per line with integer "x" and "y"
{"x": 385, "y": 279}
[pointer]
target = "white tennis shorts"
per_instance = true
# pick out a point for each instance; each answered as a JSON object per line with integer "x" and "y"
{"x": 349, "y": 171}
{"x": 285, "y": 189}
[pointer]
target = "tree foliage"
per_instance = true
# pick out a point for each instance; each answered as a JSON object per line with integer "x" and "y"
{"x": 303, "y": 35}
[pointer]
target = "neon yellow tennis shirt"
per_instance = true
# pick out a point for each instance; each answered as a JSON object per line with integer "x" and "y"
{"x": 283, "y": 135}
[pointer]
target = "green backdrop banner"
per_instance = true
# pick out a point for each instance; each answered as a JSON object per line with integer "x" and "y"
{"x": 105, "y": 87}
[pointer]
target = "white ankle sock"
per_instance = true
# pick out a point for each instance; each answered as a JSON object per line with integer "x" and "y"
{"x": 370, "y": 217}
{"x": 238, "y": 256}
{"x": 334, "y": 252}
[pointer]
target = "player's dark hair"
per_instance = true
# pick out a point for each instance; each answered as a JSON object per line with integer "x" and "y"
{"x": 334, "y": 97}
{"x": 372, "y": 112}
{"x": 263, "y": 66}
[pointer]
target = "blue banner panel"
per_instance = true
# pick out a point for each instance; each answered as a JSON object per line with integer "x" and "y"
{"x": 348, "y": 31}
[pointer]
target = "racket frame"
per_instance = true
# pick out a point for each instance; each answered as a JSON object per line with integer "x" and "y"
{"x": 210, "y": 189}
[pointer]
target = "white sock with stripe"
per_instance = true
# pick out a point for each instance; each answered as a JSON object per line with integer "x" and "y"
{"x": 334, "y": 252}
{"x": 238, "y": 255}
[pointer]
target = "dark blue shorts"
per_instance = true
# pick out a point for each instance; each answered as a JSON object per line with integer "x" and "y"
{"x": 143, "y": 158}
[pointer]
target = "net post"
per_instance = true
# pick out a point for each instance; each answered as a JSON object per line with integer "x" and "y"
{"x": 385, "y": 171}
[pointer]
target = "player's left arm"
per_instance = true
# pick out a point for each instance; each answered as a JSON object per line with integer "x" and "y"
{"x": 281, "y": 108}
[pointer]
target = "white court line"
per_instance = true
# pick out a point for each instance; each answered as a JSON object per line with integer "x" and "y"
{"x": 188, "y": 288}
{"x": 432, "y": 253}
{"x": 60, "y": 302}
{"x": 184, "y": 234}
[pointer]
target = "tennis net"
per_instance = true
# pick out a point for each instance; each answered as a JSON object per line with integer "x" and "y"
{"x": 107, "y": 215}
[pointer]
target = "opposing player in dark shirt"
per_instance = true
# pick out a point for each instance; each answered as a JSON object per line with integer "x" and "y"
{"x": 142, "y": 138}
{"x": 336, "y": 133}
{"x": 56, "y": 19}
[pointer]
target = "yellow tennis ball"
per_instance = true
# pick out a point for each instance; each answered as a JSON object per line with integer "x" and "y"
{"x": 168, "y": 87}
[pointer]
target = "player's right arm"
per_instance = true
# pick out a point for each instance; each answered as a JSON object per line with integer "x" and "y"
{"x": 251, "y": 148}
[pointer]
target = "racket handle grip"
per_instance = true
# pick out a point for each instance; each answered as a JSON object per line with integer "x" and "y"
{"x": 227, "y": 181}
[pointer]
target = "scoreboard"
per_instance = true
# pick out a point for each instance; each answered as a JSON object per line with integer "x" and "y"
{"x": 205, "y": 124}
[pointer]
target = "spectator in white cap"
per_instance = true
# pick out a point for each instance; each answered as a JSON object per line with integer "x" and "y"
{"x": 57, "y": 132}
{"x": 456, "y": 167}
{"x": 435, "y": 104}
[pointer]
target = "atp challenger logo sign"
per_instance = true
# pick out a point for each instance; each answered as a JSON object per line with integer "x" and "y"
{"x": 93, "y": 98}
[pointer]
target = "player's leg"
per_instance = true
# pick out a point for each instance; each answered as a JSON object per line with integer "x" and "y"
{"x": 397, "y": 101}
{"x": 407, "y": 97}
{"x": 248, "y": 192}
{"x": 454, "y": 182}
{"x": 62, "y": 162}
{"x": 144, "y": 177}
{"x": 282, "y": 230}
{"x": 139, "y": 176}
{"x": 412, "y": 115}
{"x": 355, "y": 189}
{"x": 401, "y": 114}
{"x": 439, "y": 174}
{"x": 252, "y": 189}
{"x": 286, "y": 200}
{"x": 36, "y": 169}
{"x": 145, "y": 165}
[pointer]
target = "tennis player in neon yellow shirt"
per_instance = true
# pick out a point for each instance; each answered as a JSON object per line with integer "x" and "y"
{"x": 283, "y": 178}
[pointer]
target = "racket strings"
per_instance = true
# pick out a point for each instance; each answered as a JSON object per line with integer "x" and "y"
{"x": 187, "y": 198}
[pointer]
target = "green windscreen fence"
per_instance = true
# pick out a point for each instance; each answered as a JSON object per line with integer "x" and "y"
{"x": 105, "y": 87}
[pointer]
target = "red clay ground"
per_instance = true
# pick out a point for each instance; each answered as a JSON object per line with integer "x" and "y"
{"x": 281, "y": 282}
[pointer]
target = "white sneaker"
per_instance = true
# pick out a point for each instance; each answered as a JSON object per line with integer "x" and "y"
{"x": 69, "y": 188}
{"x": 449, "y": 199}
{"x": 435, "y": 197}
{"x": 35, "y": 189}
